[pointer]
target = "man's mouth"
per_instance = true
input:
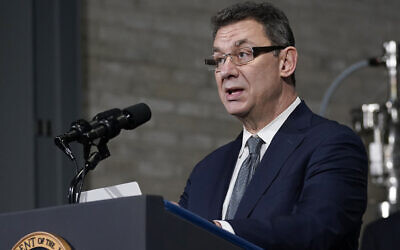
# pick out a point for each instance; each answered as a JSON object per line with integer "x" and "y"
{"x": 233, "y": 92}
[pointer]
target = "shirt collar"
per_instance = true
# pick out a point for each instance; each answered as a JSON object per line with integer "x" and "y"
{"x": 268, "y": 132}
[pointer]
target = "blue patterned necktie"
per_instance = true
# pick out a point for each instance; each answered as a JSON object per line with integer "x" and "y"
{"x": 245, "y": 173}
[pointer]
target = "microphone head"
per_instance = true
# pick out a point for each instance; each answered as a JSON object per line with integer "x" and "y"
{"x": 137, "y": 115}
{"x": 107, "y": 114}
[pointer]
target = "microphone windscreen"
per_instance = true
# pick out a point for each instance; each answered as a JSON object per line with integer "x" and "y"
{"x": 137, "y": 115}
{"x": 107, "y": 114}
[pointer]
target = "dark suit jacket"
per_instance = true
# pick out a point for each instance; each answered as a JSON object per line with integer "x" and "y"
{"x": 308, "y": 192}
{"x": 382, "y": 234}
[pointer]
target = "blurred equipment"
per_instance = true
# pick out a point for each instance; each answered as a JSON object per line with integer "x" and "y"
{"x": 378, "y": 125}
{"x": 381, "y": 121}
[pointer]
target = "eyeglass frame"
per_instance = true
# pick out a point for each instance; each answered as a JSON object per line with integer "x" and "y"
{"x": 256, "y": 51}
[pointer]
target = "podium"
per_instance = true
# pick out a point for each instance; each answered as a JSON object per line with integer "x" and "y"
{"x": 140, "y": 222}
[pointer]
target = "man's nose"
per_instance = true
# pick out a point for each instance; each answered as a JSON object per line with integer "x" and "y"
{"x": 228, "y": 68}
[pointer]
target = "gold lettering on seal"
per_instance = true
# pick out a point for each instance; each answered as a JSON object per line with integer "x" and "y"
{"x": 41, "y": 239}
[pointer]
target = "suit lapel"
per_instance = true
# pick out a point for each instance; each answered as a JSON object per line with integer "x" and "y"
{"x": 286, "y": 140}
{"x": 225, "y": 170}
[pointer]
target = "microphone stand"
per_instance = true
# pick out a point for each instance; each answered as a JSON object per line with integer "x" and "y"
{"x": 91, "y": 161}
{"x": 108, "y": 125}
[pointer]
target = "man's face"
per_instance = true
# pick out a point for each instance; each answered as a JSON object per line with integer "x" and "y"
{"x": 250, "y": 90}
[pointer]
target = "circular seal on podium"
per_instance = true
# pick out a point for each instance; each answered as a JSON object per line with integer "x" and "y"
{"x": 41, "y": 241}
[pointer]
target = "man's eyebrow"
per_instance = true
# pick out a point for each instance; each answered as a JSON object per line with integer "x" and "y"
{"x": 240, "y": 42}
{"x": 215, "y": 49}
{"x": 237, "y": 44}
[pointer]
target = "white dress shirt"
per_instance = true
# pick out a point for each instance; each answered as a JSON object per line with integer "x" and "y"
{"x": 266, "y": 134}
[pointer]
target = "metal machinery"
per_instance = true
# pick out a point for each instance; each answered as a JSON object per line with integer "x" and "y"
{"x": 379, "y": 127}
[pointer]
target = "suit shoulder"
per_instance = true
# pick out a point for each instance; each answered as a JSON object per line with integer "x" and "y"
{"x": 315, "y": 126}
{"x": 330, "y": 127}
{"x": 327, "y": 132}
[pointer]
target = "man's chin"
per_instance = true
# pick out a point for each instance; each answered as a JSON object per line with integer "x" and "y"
{"x": 235, "y": 111}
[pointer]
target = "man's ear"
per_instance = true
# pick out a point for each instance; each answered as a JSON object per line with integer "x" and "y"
{"x": 288, "y": 61}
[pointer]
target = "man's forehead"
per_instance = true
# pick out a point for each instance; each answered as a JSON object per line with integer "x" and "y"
{"x": 242, "y": 32}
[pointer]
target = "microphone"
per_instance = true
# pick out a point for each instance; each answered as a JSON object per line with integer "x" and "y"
{"x": 74, "y": 134}
{"x": 106, "y": 124}
{"x": 78, "y": 128}
{"x": 110, "y": 124}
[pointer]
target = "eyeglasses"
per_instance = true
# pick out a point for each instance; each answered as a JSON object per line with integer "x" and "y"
{"x": 240, "y": 56}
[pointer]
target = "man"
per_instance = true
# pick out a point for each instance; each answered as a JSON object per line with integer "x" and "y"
{"x": 291, "y": 179}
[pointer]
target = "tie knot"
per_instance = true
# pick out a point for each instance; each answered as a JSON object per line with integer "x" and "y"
{"x": 254, "y": 144}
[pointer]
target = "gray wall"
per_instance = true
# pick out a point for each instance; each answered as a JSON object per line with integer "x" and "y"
{"x": 152, "y": 51}
{"x": 17, "y": 142}
{"x": 39, "y": 96}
